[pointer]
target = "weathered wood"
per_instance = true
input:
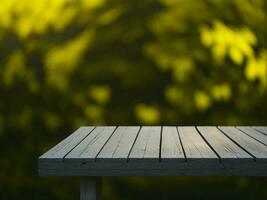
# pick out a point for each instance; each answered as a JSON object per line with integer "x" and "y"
{"x": 88, "y": 149}
{"x": 91, "y": 188}
{"x": 255, "y": 148}
{"x": 119, "y": 145}
{"x": 171, "y": 148}
{"x": 225, "y": 148}
{"x": 196, "y": 149}
{"x": 154, "y": 151}
{"x": 254, "y": 134}
{"x": 158, "y": 169}
{"x": 147, "y": 145}
{"x": 261, "y": 129}
{"x": 58, "y": 152}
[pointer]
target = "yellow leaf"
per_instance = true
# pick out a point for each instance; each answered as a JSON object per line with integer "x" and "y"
{"x": 100, "y": 94}
{"x": 236, "y": 55}
{"x": 256, "y": 68}
{"x": 221, "y": 92}
{"x": 147, "y": 114}
{"x": 202, "y": 100}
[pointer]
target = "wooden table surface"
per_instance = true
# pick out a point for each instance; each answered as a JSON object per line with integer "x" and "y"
{"x": 159, "y": 151}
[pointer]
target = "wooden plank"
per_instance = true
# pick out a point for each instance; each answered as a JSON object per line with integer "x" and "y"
{"x": 254, "y": 134}
{"x": 258, "y": 150}
{"x": 159, "y": 169}
{"x": 196, "y": 149}
{"x": 147, "y": 145}
{"x": 61, "y": 149}
{"x": 226, "y": 149}
{"x": 119, "y": 145}
{"x": 171, "y": 148}
{"x": 88, "y": 149}
{"x": 146, "y": 148}
{"x": 261, "y": 129}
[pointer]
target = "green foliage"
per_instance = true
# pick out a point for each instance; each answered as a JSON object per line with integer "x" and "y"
{"x": 67, "y": 63}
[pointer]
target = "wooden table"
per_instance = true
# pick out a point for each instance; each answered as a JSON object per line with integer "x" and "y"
{"x": 93, "y": 152}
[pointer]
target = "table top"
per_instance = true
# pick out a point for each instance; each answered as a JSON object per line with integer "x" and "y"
{"x": 159, "y": 151}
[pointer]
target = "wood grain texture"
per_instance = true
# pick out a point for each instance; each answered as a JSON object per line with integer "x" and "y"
{"x": 88, "y": 149}
{"x": 225, "y": 148}
{"x": 196, "y": 149}
{"x": 119, "y": 145}
{"x": 255, "y": 148}
{"x": 154, "y": 151}
{"x": 160, "y": 169}
{"x": 65, "y": 146}
{"x": 254, "y": 134}
{"x": 171, "y": 148}
{"x": 147, "y": 145}
{"x": 261, "y": 129}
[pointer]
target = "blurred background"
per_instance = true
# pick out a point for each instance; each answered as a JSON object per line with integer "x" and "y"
{"x": 68, "y": 63}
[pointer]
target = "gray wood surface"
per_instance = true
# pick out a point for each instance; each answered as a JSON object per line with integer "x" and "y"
{"x": 158, "y": 151}
{"x": 88, "y": 149}
{"x": 262, "y": 129}
{"x": 119, "y": 145}
{"x": 196, "y": 149}
{"x": 171, "y": 148}
{"x": 65, "y": 146}
{"x": 225, "y": 148}
{"x": 254, "y": 134}
{"x": 255, "y": 148}
{"x": 147, "y": 145}
{"x": 160, "y": 169}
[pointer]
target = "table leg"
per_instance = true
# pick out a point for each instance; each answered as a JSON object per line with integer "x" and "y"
{"x": 90, "y": 188}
